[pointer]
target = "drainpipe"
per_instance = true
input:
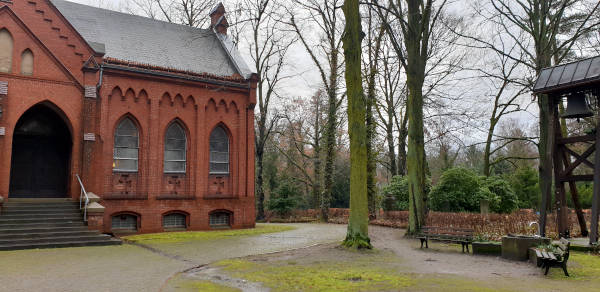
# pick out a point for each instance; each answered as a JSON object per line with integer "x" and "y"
{"x": 99, "y": 85}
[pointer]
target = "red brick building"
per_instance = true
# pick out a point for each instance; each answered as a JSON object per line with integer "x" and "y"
{"x": 156, "y": 118}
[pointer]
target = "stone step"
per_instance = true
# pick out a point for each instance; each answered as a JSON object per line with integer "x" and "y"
{"x": 60, "y": 244}
{"x": 46, "y": 223}
{"x": 70, "y": 215}
{"x": 25, "y": 209}
{"x": 41, "y": 220}
{"x": 11, "y": 212}
{"x": 41, "y": 229}
{"x": 40, "y": 225}
{"x": 59, "y": 239}
{"x": 40, "y": 205}
{"x": 49, "y": 233}
{"x": 40, "y": 200}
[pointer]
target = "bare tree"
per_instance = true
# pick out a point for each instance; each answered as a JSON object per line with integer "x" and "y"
{"x": 304, "y": 138}
{"x": 390, "y": 107}
{"x": 411, "y": 27}
{"x": 188, "y": 12}
{"x": 325, "y": 18}
{"x": 267, "y": 45}
{"x": 536, "y": 27}
{"x": 375, "y": 34}
{"x": 506, "y": 90}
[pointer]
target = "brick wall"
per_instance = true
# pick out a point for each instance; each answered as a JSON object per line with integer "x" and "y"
{"x": 153, "y": 102}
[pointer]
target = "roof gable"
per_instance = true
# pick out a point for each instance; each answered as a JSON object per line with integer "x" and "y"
{"x": 42, "y": 55}
{"x": 143, "y": 40}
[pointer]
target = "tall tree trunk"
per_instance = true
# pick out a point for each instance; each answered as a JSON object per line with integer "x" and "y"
{"x": 316, "y": 190}
{"x": 330, "y": 139}
{"x": 389, "y": 131}
{"x": 358, "y": 223}
{"x": 260, "y": 192}
{"x": 402, "y": 135}
{"x": 371, "y": 92}
{"x": 416, "y": 157}
{"x": 488, "y": 147}
{"x": 260, "y": 147}
{"x": 415, "y": 77}
{"x": 371, "y": 155}
{"x": 545, "y": 144}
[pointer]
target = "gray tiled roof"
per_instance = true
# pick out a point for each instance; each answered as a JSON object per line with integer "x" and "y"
{"x": 143, "y": 40}
{"x": 568, "y": 75}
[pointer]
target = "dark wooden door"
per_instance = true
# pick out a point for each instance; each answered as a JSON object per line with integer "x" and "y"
{"x": 40, "y": 156}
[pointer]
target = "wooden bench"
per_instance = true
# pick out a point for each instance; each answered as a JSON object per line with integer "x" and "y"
{"x": 558, "y": 259}
{"x": 463, "y": 236}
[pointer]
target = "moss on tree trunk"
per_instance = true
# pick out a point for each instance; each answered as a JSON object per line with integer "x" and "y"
{"x": 358, "y": 223}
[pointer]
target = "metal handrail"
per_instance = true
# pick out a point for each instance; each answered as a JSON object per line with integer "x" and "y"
{"x": 81, "y": 196}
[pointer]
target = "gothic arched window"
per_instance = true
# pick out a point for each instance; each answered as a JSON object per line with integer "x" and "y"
{"x": 219, "y": 151}
{"x": 27, "y": 62}
{"x": 175, "y": 149}
{"x": 126, "y": 151}
{"x": 6, "y": 51}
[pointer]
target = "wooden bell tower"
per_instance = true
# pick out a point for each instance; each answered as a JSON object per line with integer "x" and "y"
{"x": 578, "y": 84}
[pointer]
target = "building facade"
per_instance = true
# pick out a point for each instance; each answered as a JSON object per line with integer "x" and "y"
{"x": 155, "y": 118}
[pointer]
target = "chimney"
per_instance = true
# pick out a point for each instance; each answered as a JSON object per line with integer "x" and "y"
{"x": 218, "y": 21}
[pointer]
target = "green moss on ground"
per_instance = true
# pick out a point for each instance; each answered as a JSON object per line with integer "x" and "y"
{"x": 346, "y": 276}
{"x": 581, "y": 267}
{"x": 318, "y": 276}
{"x": 175, "y": 237}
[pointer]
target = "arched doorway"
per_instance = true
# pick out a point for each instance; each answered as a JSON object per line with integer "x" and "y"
{"x": 41, "y": 154}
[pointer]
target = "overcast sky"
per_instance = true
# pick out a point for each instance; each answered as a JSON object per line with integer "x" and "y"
{"x": 307, "y": 79}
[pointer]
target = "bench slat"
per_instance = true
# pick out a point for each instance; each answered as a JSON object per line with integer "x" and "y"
{"x": 538, "y": 253}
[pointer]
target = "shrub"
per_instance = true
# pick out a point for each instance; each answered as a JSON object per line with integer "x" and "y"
{"x": 585, "y": 190}
{"x": 461, "y": 190}
{"x": 502, "y": 197}
{"x": 457, "y": 191}
{"x": 285, "y": 197}
{"x": 525, "y": 183}
{"x": 395, "y": 194}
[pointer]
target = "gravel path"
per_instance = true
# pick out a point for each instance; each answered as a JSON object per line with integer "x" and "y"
{"x": 451, "y": 261}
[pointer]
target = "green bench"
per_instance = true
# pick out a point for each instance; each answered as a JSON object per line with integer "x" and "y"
{"x": 464, "y": 236}
{"x": 559, "y": 258}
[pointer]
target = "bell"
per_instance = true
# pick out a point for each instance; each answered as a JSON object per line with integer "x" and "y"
{"x": 577, "y": 107}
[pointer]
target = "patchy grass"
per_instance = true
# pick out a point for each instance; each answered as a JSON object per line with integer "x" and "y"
{"x": 356, "y": 275}
{"x": 318, "y": 277}
{"x": 176, "y": 237}
{"x": 581, "y": 267}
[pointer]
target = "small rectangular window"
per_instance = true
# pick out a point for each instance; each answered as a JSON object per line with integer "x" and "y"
{"x": 219, "y": 219}
{"x": 174, "y": 220}
{"x": 124, "y": 222}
